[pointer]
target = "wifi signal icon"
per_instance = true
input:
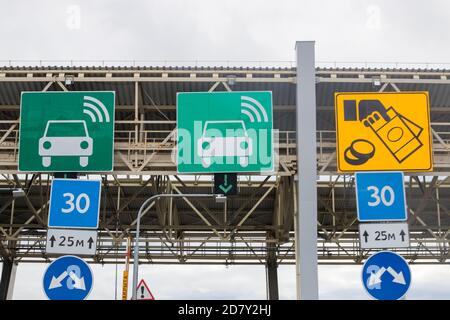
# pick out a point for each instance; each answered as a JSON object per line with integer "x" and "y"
{"x": 252, "y": 108}
{"x": 95, "y": 109}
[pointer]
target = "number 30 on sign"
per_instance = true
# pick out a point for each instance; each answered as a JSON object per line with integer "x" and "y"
{"x": 81, "y": 208}
{"x": 380, "y": 196}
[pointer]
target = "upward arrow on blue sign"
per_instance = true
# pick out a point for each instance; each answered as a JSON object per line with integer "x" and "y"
{"x": 380, "y": 196}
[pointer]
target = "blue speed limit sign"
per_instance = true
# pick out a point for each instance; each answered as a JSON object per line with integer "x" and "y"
{"x": 380, "y": 196}
{"x": 74, "y": 204}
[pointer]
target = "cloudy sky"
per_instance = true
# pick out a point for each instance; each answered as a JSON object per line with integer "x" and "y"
{"x": 351, "y": 30}
{"x": 251, "y": 30}
{"x": 235, "y": 282}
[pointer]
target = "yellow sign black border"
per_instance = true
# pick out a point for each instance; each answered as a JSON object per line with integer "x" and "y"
{"x": 430, "y": 136}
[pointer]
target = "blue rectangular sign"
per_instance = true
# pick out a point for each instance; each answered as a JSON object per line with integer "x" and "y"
{"x": 74, "y": 204}
{"x": 380, "y": 196}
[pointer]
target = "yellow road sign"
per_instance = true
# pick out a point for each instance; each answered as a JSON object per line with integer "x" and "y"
{"x": 383, "y": 131}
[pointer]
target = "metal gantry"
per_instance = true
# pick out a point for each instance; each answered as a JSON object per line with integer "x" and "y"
{"x": 256, "y": 226}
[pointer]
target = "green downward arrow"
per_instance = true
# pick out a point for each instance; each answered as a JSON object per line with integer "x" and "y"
{"x": 224, "y": 187}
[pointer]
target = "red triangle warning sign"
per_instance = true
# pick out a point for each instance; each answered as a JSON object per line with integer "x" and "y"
{"x": 143, "y": 292}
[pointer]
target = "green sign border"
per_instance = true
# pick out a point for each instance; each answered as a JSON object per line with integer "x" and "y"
{"x": 274, "y": 158}
{"x": 20, "y": 132}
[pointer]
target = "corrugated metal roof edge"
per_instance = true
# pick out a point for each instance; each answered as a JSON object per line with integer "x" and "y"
{"x": 147, "y": 68}
{"x": 216, "y": 68}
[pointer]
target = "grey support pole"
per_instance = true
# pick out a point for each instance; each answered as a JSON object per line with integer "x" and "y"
{"x": 306, "y": 221}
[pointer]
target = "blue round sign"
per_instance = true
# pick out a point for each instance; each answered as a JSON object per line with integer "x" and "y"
{"x": 386, "y": 276}
{"x": 68, "y": 278}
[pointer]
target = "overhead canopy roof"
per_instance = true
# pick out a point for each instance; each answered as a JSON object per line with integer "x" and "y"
{"x": 159, "y": 97}
{"x": 158, "y": 87}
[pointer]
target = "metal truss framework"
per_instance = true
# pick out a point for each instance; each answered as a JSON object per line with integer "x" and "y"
{"x": 248, "y": 228}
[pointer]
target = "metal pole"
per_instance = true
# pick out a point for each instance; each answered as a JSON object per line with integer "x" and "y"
{"x": 306, "y": 222}
{"x": 7, "y": 279}
{"x": 272, "y": 272}
{"x": 138, "y": 226}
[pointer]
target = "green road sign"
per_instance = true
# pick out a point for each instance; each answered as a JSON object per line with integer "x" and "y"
{"x": 66, "y": 131}
{"x": 225, "y": 132}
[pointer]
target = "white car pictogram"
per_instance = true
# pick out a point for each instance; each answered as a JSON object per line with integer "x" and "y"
{"x": 240, "y": 146}
{"x": 75, "y": 142}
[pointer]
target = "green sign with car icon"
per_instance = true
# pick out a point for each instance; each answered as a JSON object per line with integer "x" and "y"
{"x": 225, "y": 132}
{"x": 66, "y": 131}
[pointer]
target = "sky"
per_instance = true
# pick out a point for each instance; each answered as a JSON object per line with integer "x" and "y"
{"x": 347, "y": 32}
{"x": 234, "y": 282}
{"x": 255, "y": 30}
